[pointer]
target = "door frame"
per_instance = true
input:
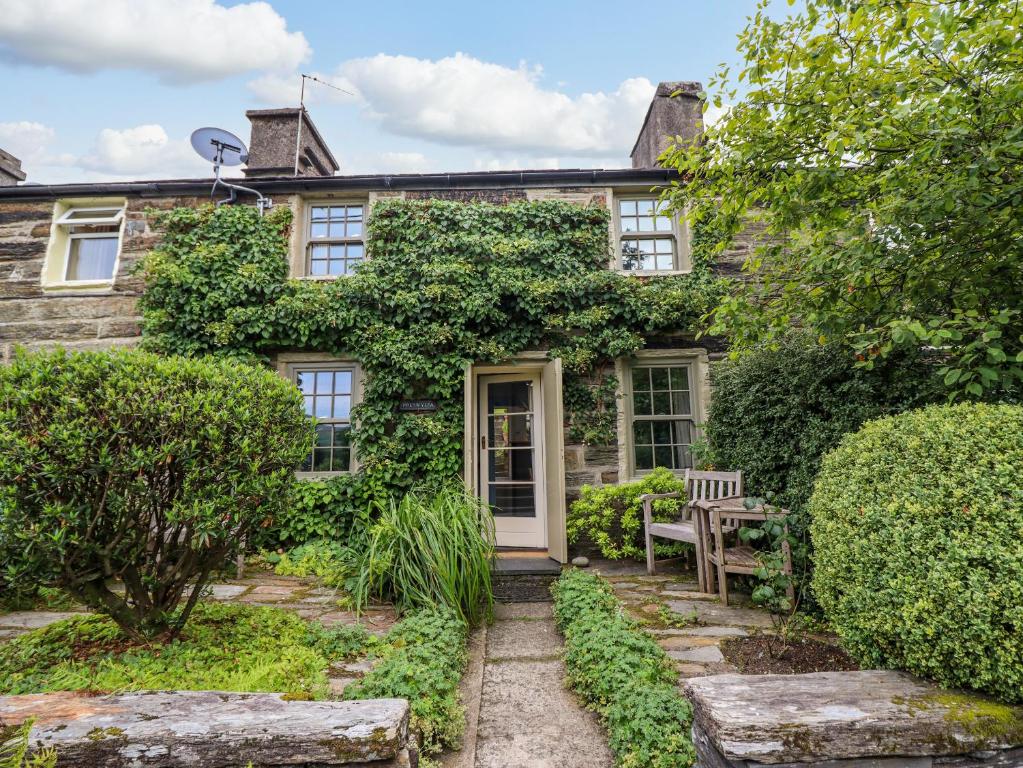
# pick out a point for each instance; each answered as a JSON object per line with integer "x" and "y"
{"x": 532, "y": 534}
{"x": 553, "y": 437}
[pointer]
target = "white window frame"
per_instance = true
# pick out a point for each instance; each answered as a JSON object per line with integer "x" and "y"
{"x": 679, "y": 236}
{"x": 696, "y": 360}
{"x": 289, "y": 366}
{"x": 57, "y": 276}
{"x": 308, "y": 241}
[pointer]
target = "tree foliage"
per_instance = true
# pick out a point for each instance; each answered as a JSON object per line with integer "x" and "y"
{"x": 132, "y": 467}
{"x": 447, "y": 283}
{"x": 880, "y": 145}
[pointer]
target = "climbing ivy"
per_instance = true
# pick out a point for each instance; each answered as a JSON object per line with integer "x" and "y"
{"x": 446, "y": 283}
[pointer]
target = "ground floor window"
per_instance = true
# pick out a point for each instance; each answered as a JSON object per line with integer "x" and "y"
{"x": 329, "y": 393}
{"x": 662, "y": 425}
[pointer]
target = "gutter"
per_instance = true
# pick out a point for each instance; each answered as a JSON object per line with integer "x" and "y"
{"x": 283, "y": 185}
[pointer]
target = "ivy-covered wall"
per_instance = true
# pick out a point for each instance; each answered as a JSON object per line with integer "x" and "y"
{"x": 446, "y": 283}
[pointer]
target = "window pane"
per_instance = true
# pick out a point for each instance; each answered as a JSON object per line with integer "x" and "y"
{"x": 663, "y": 224}
{"x": 318, "y": 268}
{"x": 103, "y": 213}
{"x": 343, "y": 382}
{"x": 680, "y": 404}
{"x": 510, "y": 431}
{"x": 682, "y": 432}
{"x": 664, "y": 456}
{"x": 680, "y": 378}
{"x": 321, "y": 459}
{"x": 662, "y": 432}
{"x": 644, "y": 457}
{"x": 354, "y": 229}
{"x": 355, "y": 251}
{"x": 321, "y": 409}
{"x": 92, "y": 258}
{"x": 324, "y": 382}
{"x": 659, "y": 376}
{"x": 342, "y": 406}
{"x": 318, "y": 229}
{"x": 646, "y": 224}
{"x": 308, "y": 405}
{"x": 641, "y": 432}
{"x": 640, "y": 379}
{"x": 641, "y": 403}
{"x": 324, "y": 434}
{"x": 304, "y": 381}
{"x": 342, "y": 435}
{"x": 644, "y": 207}
{"x": 627, "y": 207}
{"x": 513, "y": 500}
{"x": 336, "y": 266}
{"x": 319, "y": 214}
{"x": 342, "y": 460}
{"x": 508, "y": 397}
{"x": 662, "y": 403}
{"x": 664, "y": 262}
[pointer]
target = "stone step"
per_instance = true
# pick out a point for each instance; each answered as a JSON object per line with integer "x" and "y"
{"x": 524, "y": 579}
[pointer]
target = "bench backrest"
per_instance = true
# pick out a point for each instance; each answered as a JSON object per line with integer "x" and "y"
{"x": 710, "y": 486}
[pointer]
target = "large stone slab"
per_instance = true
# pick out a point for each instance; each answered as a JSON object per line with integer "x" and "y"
{"x": 825, "y": 718}
{"x": 33, "y": 619}
{"x": 537, "y": 639}
{"x": 210, "y": 729}
{"x": 728, "y": 615}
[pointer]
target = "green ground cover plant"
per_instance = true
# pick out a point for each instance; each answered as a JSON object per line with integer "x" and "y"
{"x": 224, "y": 647}
{"x": 611, "y": 516}
{"x": 623, "y": 675}
{"x": 446, "y": 283}
{"x": 422, "y": 660}
{"x": 917, "y": 521}
{"x": 15, "y": 751}
{"x": 148, "y": 470}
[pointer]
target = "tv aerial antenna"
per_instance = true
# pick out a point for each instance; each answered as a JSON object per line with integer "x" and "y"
{"x": 301, "y": 111}
{"x": 222, "y": 148}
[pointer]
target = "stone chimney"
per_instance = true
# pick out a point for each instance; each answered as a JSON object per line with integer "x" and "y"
{"x": 10, "y": 170}
{"x": 274, "y": 138}
{"x": 669, "y": 116}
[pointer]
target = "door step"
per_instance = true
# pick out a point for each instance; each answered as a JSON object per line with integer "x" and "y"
{"x": 523, "y": 579}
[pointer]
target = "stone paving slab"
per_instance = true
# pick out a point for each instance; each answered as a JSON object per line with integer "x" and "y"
{"x": 538, "y": 639}
{"x": 529, "y": 720}
{"x": 708, "y": 654}
{"x": 227, "y": 591}
{"x": 718, "y": 632}
{"x": 506, "y": 611}
{"x": 26, "y": 620}
{"x": 728, "y": 615}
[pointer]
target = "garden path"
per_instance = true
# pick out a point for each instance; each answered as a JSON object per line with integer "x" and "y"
{"x": 520, "y": 713}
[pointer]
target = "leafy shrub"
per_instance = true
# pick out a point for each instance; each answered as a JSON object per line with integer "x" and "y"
{"x": 124, "y": 465}
{"x": 430, "y": 548}
{"x": 224, "y": 648}
{"x": 336, "y": 508}
{"x": 623, "y": 675}
{"x": 612, "y": 516}
{"x": 776, "y": 412}
{"x": 918, "y": 524}
{"x": 423, "y": 661}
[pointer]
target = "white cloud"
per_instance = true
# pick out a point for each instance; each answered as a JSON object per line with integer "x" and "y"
{"x": 283, "y": 90}
{"x": 145, "y": 150}
{"x": 713, "y": 113}
{"x": 463, "y": 101}
{"x": 181, "y": 41}
{"x": 26, "y": 140}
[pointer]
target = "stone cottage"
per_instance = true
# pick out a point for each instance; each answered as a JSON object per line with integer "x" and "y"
{"x": 67, "y": 252}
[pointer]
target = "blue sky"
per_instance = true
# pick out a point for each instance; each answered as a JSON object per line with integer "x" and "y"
{"x": 111, "y": 90}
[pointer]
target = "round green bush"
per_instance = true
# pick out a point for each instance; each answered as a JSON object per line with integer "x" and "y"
{"x": 143, "y": 469}
{"x": 917, "y": 522}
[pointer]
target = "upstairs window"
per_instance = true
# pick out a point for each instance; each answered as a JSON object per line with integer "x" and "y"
{"x": 93, "y": 243}
{"x": 648, "y": 239}
{"x": 336, "y": 243}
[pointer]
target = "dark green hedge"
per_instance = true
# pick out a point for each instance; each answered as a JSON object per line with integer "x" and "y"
{"x": 776, "y": 412}
{"x": 623, "y": 675}
{"x": 918, "y": 531}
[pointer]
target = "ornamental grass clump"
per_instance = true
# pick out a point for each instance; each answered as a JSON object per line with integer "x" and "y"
{"x": 142, "y": 469}
{"x": 917, "y": 521}
{"x": 430, "y": 549}
{"x": 623, "y": 675}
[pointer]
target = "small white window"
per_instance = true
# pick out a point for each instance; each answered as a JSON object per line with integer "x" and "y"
{"x": 335, "y": 243}
{"x": 648, "y": 236}
{"x": 93, "y": 243}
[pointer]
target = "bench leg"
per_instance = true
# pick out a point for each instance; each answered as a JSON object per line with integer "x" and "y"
{"x": 649, "y": 552}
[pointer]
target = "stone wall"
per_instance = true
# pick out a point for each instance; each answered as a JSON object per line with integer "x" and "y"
{"x": 36, "y": 317}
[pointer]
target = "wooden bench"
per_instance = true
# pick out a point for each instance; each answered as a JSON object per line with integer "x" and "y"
{"x": 700, "y": 486}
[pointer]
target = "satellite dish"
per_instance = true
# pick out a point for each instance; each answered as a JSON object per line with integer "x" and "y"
{"x": 224, "y": 148}
{"x": 218, "y": 146}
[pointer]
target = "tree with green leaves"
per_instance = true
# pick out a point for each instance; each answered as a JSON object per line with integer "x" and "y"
{"x": 879, "y": 149}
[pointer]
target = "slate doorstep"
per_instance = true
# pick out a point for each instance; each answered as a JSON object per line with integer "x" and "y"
{"x": 838, "y": 719}
{"x": 207, "y": 729}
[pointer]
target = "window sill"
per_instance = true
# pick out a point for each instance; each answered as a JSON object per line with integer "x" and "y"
{"x": 322, "y": 278}
{"x": 653, "y": 272}
{"x": 303, "y": 476}
{"x": 97, "y": 288}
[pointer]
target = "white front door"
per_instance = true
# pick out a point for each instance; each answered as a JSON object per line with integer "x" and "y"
{"x": 512, "y": 458}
